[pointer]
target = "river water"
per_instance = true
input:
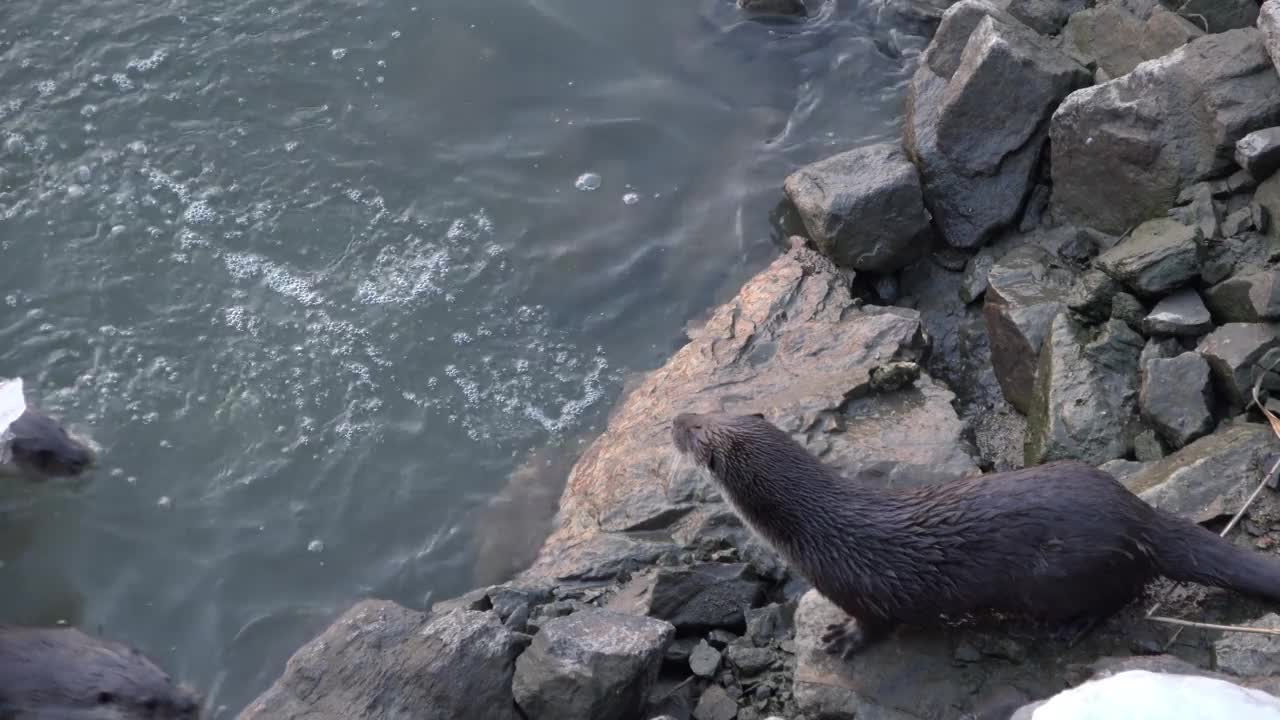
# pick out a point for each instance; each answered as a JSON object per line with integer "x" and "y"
{"x": 316, "y": 275}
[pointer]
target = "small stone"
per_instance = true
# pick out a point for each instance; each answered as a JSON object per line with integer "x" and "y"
{"x": 1204, "y": 213}
{"x": 1092, "y": 294}
{"x": 715, "y": 704}
{"x": 1239, "y": 221}
{"x": 1250, "y": 654}
{"x": 704, "y": 661}
{"x": 1259, "y": 152}
{"x": 1182, "y": 313}
{"x": 771, "y": 622}
{"x": 1147, "y": 447}
{"x": 1157, "y": 257}
{"x": 1246, "y": 298}
{"x": 1177, "y": 398}
{"x": 976, "y": 273}
{"x": 749, "y": 661}
{"x": 1129, "y": 309}
{"x": 1234, "y": 352}
{"x": 721, "y": 638}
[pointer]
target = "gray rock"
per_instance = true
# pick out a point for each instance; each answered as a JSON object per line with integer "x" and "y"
{"x": 696, "y": 599}
{"x": 1203, "y": 212}
{"x": 1147, "y": 447}
{"x": 1086, "y": 393}
{"x": 1166, "y": 347}
{"x": 977, "y": 167}
{"x": 592, "y": 665}
{"x": 1240, "y": 221}
{"x": 775, "y": 621}
{"x": 1235, "y": 352}
{"x": 1182, "y": 313}
{"x": 772, "y": 7}
{"x": 976, "y": 275}
{"x": 1177, "y": 398}
{"x": 1109, "y": 36}
{"x": 715, "y": 704}
{"x": 1129, "y": 309}
{"x": 1268, "y": 198}
{"x": 1259, "y": 152}
{"x": 1045, "y": 16}
{"x": 1250, "y": 654}
{"x": 1092, "y": 294}
{"x": 680, "y": 650}
{"x": 1025, "y": 294}
{"x": 1121, "y": 468}
{"x": 721, "y": 638}
{"x": 1165, "y": 31}
{"x": 749, "y": 661}
{"x": 1269, "y": 24}
{"x": 1246, "y": 298}
{"x": 391, "y": 662}
{"x": 1157, "y": 257}
{"x": 1221, "y": 15}
{"x": 1122, "y": 150}
{"x": 863, "y": 208}
{"x": 704, "y": 660}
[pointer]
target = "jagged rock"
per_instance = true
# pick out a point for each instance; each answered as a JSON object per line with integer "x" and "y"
{"x": 1209, "y": 478}
{"x": 1177, "y": 398}
{"x": 1157, "y": 257}
{"x": 1244, "y": 254}
{"x": 1092, "y": 294}
{"x": 1269, "y": 24}
{"x": 1182, "y": 313}
{"x": 1025, "y": 294}
{"x": 1268, "y": 198}
{"x": 863, "y": 208}
{"x": 1246, "y": 298}
{"x": 1086, "y": 393}
{"x": 1166, "y": 347}
{"x": 1165, "y": 31}
{"x": 977, "y": 273}
{"x": 591, "y": 665}
{"x": 696, "y": 599}
{"x": 390, "y": 662}
{"x": 715, "y": 704}
{"x": 1129, "y": 309}
{"x": 749, "y": 661}
{"x": 1240, "y": 221}
{"x": 1045, "y": 16}
{"x": 977, "y": 166}
{"x": 1122, "y": 150}
{"x": 774, "y": 621}
{"x": 1202, "y": 211}
{"x": 1115, "y": 39}
{"x": 1235, "y": 353}
{"x": 1250, "y": 654}
{"x": 719, "y": 639}
{"x": 1222, "y": 15}
{"x": 1121, "y": 468}
{"x": 1259, "y": 152}
{"x": 1147, "y": 447}
{"x": 704, "y": 660}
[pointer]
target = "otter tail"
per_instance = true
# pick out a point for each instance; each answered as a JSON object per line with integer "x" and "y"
{"x": 1187, "y": 552}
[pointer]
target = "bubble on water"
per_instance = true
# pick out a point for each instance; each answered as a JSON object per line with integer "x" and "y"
{"x": 461, "y": 338}
{"x": 587, "y": 181}
{"x": 148, "y": 64}
{"x": 138, "y": 147}
{"x": 122, "y": 81}
{"x": 395, "y": 33}
{"x": 244, "y": 266}
{"x": 45, "y": 88}
{"x": 11, "y": 300}
{"x": 165, "y": 501}
{"x": 74, "y": 190}
{"x": 631, "y": 198}
{"x": 315, "y": 546}
{"x": 199, "y": 212}
{"x": 338, "y": 53}
{"x": 291, "y": 146}
{"x": 83, "y": 174}
{"x": 9, "y": 107}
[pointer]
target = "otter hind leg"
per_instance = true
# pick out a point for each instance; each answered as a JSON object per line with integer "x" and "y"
{"x": 850, "y": 637}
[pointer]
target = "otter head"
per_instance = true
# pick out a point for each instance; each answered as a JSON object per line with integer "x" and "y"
{"x": 41, "y": 447}
{"x": 730, "y": 446}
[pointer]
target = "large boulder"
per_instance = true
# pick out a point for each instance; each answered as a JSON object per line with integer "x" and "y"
{"x": 1123, "y": 150}
{"x": 1177, "y": 398}
{"x": 1118, "y": 41}
{"x": 1238, "y": 353}
{"x": 380, "y": 661}
{"x": 1269, "y": 24}
{"x": 794, "y": 345}
{"x": 1158, "y": 256}
{"x": 977, "y": 119}
{"x": 1086, "y": 393}
{"x": 591, "y": 665}
{"x": 863, "y": 207}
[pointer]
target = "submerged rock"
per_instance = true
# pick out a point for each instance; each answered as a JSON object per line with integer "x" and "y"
{"x": 1123, "y": 150}
{"x": 1177, "y": 398}
{"x": 592, "y": 665}
{"x": 1158, "y": 256}
{"x": 1236, "y": 353}
{"x": 863, "y": 207}
{"x": 1259, "y": 152}
{"x": 772, "y": 7}
{"x": 1246, "y": 298}
{"x": 1086, "y": 393}
{"x": 1182, "y": 313}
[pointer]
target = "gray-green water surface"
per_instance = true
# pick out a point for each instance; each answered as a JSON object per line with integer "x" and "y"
{"x": 315, "y": 276}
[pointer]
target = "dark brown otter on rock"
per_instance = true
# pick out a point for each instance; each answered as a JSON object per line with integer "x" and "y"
{"x": 1063, "y": 542}
{"x": 62, "y": 673}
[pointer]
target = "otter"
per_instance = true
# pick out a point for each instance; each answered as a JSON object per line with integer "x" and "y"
{"x": 34, "y": 444}
{"x": 62, "y": 673}
{"x": 1062, "y": 543}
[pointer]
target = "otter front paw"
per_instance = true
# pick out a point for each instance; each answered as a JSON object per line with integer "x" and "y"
{"x": 847, "y": 639}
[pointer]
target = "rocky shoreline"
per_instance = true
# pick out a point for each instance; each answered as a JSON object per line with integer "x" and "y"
{"x": 1071, "y": 254}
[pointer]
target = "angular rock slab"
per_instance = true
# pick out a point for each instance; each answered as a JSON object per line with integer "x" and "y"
{"x": 1182, "y": 313}
{"x": 1086, "y": 393}
{"x": 1269, "y": 24}
{"x": 977, "y": 164}
{"x": 1222, "y": 15}
{"x": 1118, "y": 41}
{"x": 1157, "y": 257}
{"x": 695, "y": 599}
{"x": 863, "y": 208}
{"x": 1250, "y": 654}
{"x": 591, "y": 665}
{"x": 793, "y": 345}
{"x": 1250, "y": 298}
{"x": 1236, "y": 352}
{"x": 380, "y": 661}
{"x": 1259, "y": 152}
{"x": 1123, "y": 150}
{"x": 1177, "y": 398}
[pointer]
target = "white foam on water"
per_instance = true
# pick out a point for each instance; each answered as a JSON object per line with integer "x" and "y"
{"x": 143, "y": 65}
{"x": 13, "y": 402}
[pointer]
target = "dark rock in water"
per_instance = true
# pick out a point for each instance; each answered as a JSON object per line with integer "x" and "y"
{"x": 697, "y": 599}
{"x": 863, "y": 207}
{"x": 1086, "y": 393}
{"x": 1221, "y": 15}
{"x": 1209, "y": 478}
{"x": 1158, "y": 256}
{"x": 1259, "y": 152}
{"x": 1123, "y": 150}
{"x": 704, "y": 660}
{"x": 1250, "y": 654}
{"x": 1177, "y": 398}
{"x": 977, "y": 167}
{"x": 1129, "y": 309}
{"x": 1147, "y": 447}
{"x": 1246, "y": 298}
{"x": 1269, "y": 25}
{"x": 1025, "y": 294}
{"x": 715, "y": 704}
{"x": 749, "y": 661}
{"x": 1092, "y": 294}
{"x": 1182, "y": 313}
{"x": 592, "y": 665}
{"x": 1045, "y": 16}
{"x": 772, "y": 7}
{"x": 1235, "y": 352}
{"x": 391, "y": 662}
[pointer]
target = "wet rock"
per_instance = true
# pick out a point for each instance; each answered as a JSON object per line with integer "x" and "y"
{"x": 1086, "y": 393}
{"x": 1235, "y": 353}
{"x": 1221, "y": 15}
{"x": 1147, "y": 447}
{"x": 1122, "y": 150}
{"x": 1157, "y": 257}
{"x": 1165, "y": 347}
{"x": 391, "y": 662}
{"x": 593, "y": 665}
{"x": 1182, "y": 313}
{"x": 719, "y": 639}
{"x": 1269, "y": 24}
{"x": 715, "y": 704}
{"x": 1246, "y": 298}
{"x": 697, "y": 599}
{"x": 680, "y": 650}
{"x": 1092, "y": 293}
{"x": 772, "y": 622}
{"x": 976, "y": 275}
{"x": 749, "y": 661}
{"x": 1250, "y": 654}
{"x": 1267, "y": 198}
{"x": 704, "y": 660}
{"x": 1121, "y": 469}
{"x": 1259, "y": 152}
{"x": 977, "y": 167}
{"x": 1025, "y": 294}
{"x": 1128, "y": 309}
{"x": 1177, "y": 398}
{"x": 1209, "y": 478}
{"x": 863, "y": 207}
